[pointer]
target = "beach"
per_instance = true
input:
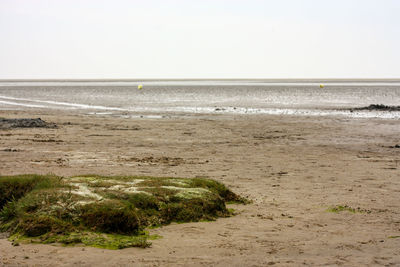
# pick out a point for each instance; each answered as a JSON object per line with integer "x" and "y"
{"x": 324, "y": 189}
{"x": 199, "y": 133}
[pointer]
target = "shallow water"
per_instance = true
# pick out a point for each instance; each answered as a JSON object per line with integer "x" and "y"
{"x": 201, "y": 96}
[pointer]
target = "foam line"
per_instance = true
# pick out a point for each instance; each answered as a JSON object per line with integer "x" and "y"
{"x": 84, "y": 106}
{"x": 21, "y": 104}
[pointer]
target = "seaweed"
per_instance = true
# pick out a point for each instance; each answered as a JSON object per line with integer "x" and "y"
{"x": 379, "y": 107}
{"x": 109, "y": 212}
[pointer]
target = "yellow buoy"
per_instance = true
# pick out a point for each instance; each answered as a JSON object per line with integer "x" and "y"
{"x": 321, "y": 86}
{"x": 140, "y": 87}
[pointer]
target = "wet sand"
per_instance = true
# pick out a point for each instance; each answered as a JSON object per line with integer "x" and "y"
{"x": 293, "y": 168}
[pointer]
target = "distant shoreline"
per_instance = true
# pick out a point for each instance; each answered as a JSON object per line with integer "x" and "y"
{"x": 290, "y": 80}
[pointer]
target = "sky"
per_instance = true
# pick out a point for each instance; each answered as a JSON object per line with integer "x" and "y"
{"x": 99, "y": 39}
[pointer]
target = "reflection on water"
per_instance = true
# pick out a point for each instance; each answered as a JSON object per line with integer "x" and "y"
{"x": 250, "y": 96}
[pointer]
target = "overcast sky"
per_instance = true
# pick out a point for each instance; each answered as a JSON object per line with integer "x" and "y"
{"x": 199, "y": 39}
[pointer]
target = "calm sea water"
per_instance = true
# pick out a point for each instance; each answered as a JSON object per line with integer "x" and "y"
{"x": 202, "y": 96}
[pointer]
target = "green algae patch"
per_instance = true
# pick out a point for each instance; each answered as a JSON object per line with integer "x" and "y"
{"x": 106, "y": 212}
{"x": 340, "y": 208}
{"x": 93, "y": 239}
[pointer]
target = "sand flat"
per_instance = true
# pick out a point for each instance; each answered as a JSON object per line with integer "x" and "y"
{"x": 293, "y": 168}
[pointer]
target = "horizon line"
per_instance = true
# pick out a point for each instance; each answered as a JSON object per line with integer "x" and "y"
{"x": 193, "y": 79}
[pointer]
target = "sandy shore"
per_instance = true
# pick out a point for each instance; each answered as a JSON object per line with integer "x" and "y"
{"x": 293, "y": 168}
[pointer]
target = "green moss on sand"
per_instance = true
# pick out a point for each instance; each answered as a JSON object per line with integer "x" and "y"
{"x": 107, "y": 212}
{"x": 339, "y": 208}
{"x": 93, "y": 239}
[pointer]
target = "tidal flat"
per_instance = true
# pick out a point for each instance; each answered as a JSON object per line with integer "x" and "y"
{"x": 293, "y": 168}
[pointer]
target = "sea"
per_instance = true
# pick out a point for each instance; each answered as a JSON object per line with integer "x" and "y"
{"x": 167, "y": 97}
